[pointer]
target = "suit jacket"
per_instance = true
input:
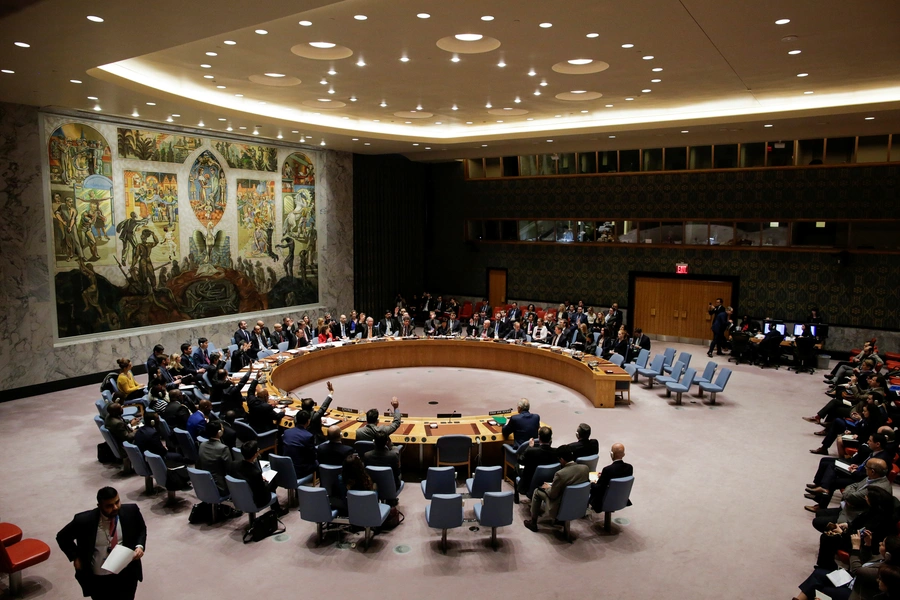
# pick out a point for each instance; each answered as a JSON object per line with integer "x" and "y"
{"x": 575, "y": 339}
{"x": 454, "y": 327}
{"x": 614, "y": 470}
{"x": 276, "y": 338}
{"x": 252, "y": 474}
{"x": 261, "y": 416}
{"x": 315, "y": 421}
{"x": 720, "y": 323}
{"x": 558, "y": 340}
{"x": 266, "y": 333}
{"x": 119, "y": 430}
{"x": 300, "y": 447}
{"x": 570, "y": 474}
{"x": 78, "y": 540}
{"x": 176, "y": 414}
{"x": 333, "y": 453}
{"x": 240, "y": 359}
{"x": 367, "y": 432}
{"x": 515, "y": 335}
{"x": 336, "y": 330}
{"x": 188, "y": 364}
{"x": 200, "y": 358}
{"x": 230, "y": 395}
{"x": 147, "y": 438}
{"x": 385, "y": 458}
{"x": 579, "y": 318}
{"x": 582, "y": 448}
{"x": 408, "y": 330}
{"x": 395, "y": 326}
{"x": 641, "y": 343}
{"x": 241, "y": 335}
{"x": 215, "y": 457}
{"x": 858, "y": 490}
{"x": 532, "y": 458}
{"x": 614, "y": 321}
{"x": 522, "y": 426}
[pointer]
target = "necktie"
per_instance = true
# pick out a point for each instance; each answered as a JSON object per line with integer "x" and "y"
{"x": 113, "y": 533}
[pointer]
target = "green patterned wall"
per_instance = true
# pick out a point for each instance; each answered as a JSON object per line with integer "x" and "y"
{"x": 860, "y": 290}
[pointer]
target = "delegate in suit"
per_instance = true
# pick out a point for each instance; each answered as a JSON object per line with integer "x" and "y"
{"x": 522, "y": 426}
{"x": 616, "y": 469}
{"x": 570, "y": 473}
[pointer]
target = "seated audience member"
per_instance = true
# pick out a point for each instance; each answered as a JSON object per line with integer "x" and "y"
{"x": 748, "y": 325}
{"x": 300, "y": 445}
{"x": 578, "y": 337}
{"x": 368, "y": 431}
{"x": 265, "y": 330}
{"x": 639, "y": 342}
{"x": 888, "y": 580}
{"x": 861, "y": 424}
{"x": 354, "y": 475}
{"x": 856, "y": 393}
{"x": 558, "y": 338}
{"x": 129, "y": 389}
{"x": 536, "y": 453}
{"x": 431, "y": 324}
{"x": 616, "y": 469}
{"x": 214, "y": 456}
{"x": 177, "y": 412}
{"x": 408, "y": 327}
{"x": 278, "y": 336}
{"x": 471, "y": 328}
{"x": 120, "y": 430}
{"x": 333, "y": 451}
{"x": 454, "y": 327}
{"x": 188, "y": 364}
{"x": 249, "y": 470}
{"x": 153, "y": 360}
{"x": 147, "y": 437}
{"x": 241, "y": 358}
{"x": 874, "y": 511}
{"x": 484, "y": 311}
{"x": 486, "y": 331}
{"x": 523, "y": 425}
{"x": 845, "y": 368}
{"x": 340, "y": 329}
{"x": 550, "y": 493}
{"x": 215, "y": 361}
{"x": 229, "y": 393}
{"x": 583, "y": 444}
{"x": 388, "y": 326}
{"x": 161, "y": 375}
{"x": 369, "y": 331}
{"x": 620, "y": 346}
{"x": 384, "y": 456}
{"x": 201, "y": 354}
{"x": 197, "y": 422}
{"x": 158, "y": 398}
{"x": 178, "y": 371}
{"x": 540, "y": 332}
{"x": 229, "y": 436}
{"x": 516, "y": 333}
{"x": 262, "y": 414}
{"x": 864, "y": 567}
{"x": 829, "y": 477}
{"x": 324, "y": 335}
{"x": 876, "y": 477}
{"x": 315, "y": 416}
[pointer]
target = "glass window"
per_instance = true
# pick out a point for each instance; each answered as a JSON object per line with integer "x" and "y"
{"x": 780, "y": 154}
{"x": 650, "y": 232}
{"x": 721, "y": 234}
{"x": 653, "y": 160}
{"x": 474, "y": 230}
{"x": 528, "y": 165}
{"x": 607, "y": 162}
{"x": 671, "y": 232}
{"x": 546, "y": 164}
{"x": 701, "y": 157}
{"x": 775, "y": 233}
{"x": 630, "y": 160}
{"x": 510, "y": 166}
{"x": 546, "y": 231}
{"x": 475, "y": 167}
{"x": 676, "y": 159}
{"x": 753, "y": 155}
{"x": 587, "y": 162}
{"x": 819, "y": 234}
{"x": 839, "y": 151}
{"x": 528, "y": 231}
{"x": 810, "y": 152}
{"x": 747, "y": 234}
{"x": 872, "y": 149}
{"x": 696, "y": 233}
{"x": 725, "y": 156}
{"x": 491, "y": 231}
{"x": 564, "y": 231}
{"x": 584, "y": 231}
{"x": 492, "y": 167}
{"x": 566, "y": 163}
{"x": 623, "y": 232}
{"x": 509, "y": 230}
{"x": 873, "y": 235}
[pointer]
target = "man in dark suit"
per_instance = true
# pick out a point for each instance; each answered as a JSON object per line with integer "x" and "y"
{"x": 214, "y": 456}
{"x": 262, "y": 415}
{"x": 188, "y": 364}
{"x": 257, "y": 342}
{"x": 485, "y": 310}
{"x": 265, "y": 330}
{"x": 153, "y": 360}
{"x": 514, "y": 313}
{"x": 333, "y": 452}
{"x": 383, "y": 456}
{"x": 579, "y": 317}
{"x": 315, "y": 416}
{"x": 388, "y": 326}
{"x": 407, "y": 328}
{"x": 487, "y": 331}
{"x": 367, "y": 432}
{"x": 454, "y": 326}
{"x": 537, "y": 453}
{"x": 249, "y": 470}
{"x": 370, "y": 331}
{"x": 201, "y": 354}
{"x": 558, "y": 338}
{"x": 516, "y": 333}
{"x": 613, "y": 318}
{"x": 616, "y": 469}
{"x": 176, "y": 413}
{"x": 639, "y": 342}
{"x": 340, "y": 329}
{"x": 719, "y": 327}
{"x": 241, "y": 335}
{"x": 300, "y": 445}
{"x": 91, "y": 535}
{"x": 522, "y": 426}
{"x": 241, "y": 358}
{"x": 584, "y": 445}
{"x": 276, "y": 338}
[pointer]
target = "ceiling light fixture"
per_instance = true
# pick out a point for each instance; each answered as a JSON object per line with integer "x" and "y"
{"x": 324, "y": 99}
{"x": 383, "y": 104}
{"x": 221, "y": 87}
{"x": 97, "y": 108}
{"x": 95, "y": 19}
{"x": 438, "y": 123}
{"x": 75, "y": 81}
{"x": 870, "y": 118}
{"x": 274, "y": 75}
{"x": 517, "y": 100}
{"x": 655, "y": 80}
{"x": 531, "y": 73}
{"x": 557, "y": 116}
{"x": 808, "y": 93}
{"x": 279, "y": 136}
{"x": 230, "y": 42}
{"x": 23, "y": 45}
{"x": 487, "y": 18}
{"x": 455, "y": 59}
{"x": 209, "y": 77}
{"x": 255, "y": 132}
{"x": 468, "y": 37}
{"x": 211, "y": 54}
{"x": 206, "y": 66}
{"x": 10, "y": 72}
{"x": 767, "y": 125}
{"x": 684, "y": 131}
{"x": 135, "y": 113}
{"x": 454, "y": 107}
{"x": 229, "y": 128}
{"x": 648, "y": 57}
{"x": 324, "y": 81}
{"x": 368, "y": 144}
{"x": 537, "y": 92}
{"x": 331, "y": 91}
{"x": 93, "y": 98}
{"x": 418, "y": 107}
{"x": 543, "y": 84}
{"x": 331, "y": 71}
{"x": 176, "y": 115}
{"x": 322, "y": 143}
{"x": 802, "y": 74}
{"x": 305, "y": 23}
{"x": 488, "y": 105}
{"x": 200, "y": 124}
{"x": 360, "y": 63}
{"x": 322, "y": 45}
{"x": 578, "y": 91}
{"x": 609, "y": 106}
{"x": 352, "y": 98}
{"x": 501, "y": 64}
{"x": 222, "y": 119}
{"x": 656, "y": 69}
{"x": 580, "y": 61}
{"x": 545, "y": 25}
{"x": 782, "y": 21}
{"x": 404, "y": 59}
{"x": 549, "y": 141}
{"x": 261, "y": 31}
{"x": 612, "y": 137}
{"x": 238, "y": 95}
{"x": 423, "y": 15}
{"x": 629, "y": 98}
{"x": 593, "y": 35}
{"x": 360, "y": 17}
{"x": 646, "y": 91}
{"x": 169, "y": 119}
{"x": 583, "y": 112}
{"x": 792, "y": 52}
{"x": 628, "y": 46}
{"x": 151, "y": 104}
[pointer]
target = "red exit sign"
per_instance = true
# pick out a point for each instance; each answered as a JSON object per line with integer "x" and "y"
{"x": 681, "y": 268}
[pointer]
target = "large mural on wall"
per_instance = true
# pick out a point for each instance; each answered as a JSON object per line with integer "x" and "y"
{"x": 191, "y": 240}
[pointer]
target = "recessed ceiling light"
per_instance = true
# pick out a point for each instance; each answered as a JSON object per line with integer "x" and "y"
{"x": 360, "y": 63}
{"x": 808, "y": 93}
{"x": 428, "y": 147}
{"x": 580, "y": 61}
{"x": 360, "y": 17}
{"x": 89, "y": 97}
{"x": 593, "y": 35}
{"x": 200, "y": 124}
{"x": 768, "y": 125}
{"x": 75, "y": 81}
{"x": 455, "y": 59}
{"x": 782, "y": 21}
{"x": 584, "y": 111}
{"x": 383, "y": 104}
{"x": 531, "y": 73}
{"x": 209, "y": 77}
{"x": 229, "y": 128}
{"x": 135, "y": 114}
{"x": 487, "y": 18}
{"x": 488, "y": 105}
{"x": 238, "y": 95}
{"x": 324, "y": 99}
{"x": 404, "y": 59}
{"x": 331, "y": 91}
{"x": 656, "y": 69}
{"x": 628, "y": 45}
{"x": 279, "y": 136}
{"x": 97, "y": 108}
{"x": 255, "y": 132}
{"x": 507, "y": 108}
{"x": 612, "y": 137}
{"x": 545, "y": 25}
{"x": 323, "y": 45}
{"x": 354, "y": 140}
{"x": 367, "y": 144}
{"x": 423, "y": 15}
{"x": 438, "y": 123}
{"x": 170, "y": 120}
{"x": 454, "y": 107}
{"x": 222, "y": 119}
{"x": 646, "y": 91}
{"x": 206, "y": 66}
{"x": 609, "y": 106}
{"x": 629, "y": 98}
{"x": 211, "y": 54}
{"x": 802, "y": 74}
{"x": 322, "y": 143}
{"x": 468, "y": 122}
{"x": 376, "y": 120}
{"x": 324, "y": 81}
{"x": 530, "y": 119}
{"x": 543, "y": 84}
{"x": 648, "y": 57}
{"x": 418, "y": 107}
{"x": 578, "y": 92}
{"x": 274, "y": 74}
{"x": 230, "y": 42}
{"x": 501, "y": 63}
{"x": 484, "y": 145}
{"x": 557, "y": 116}
{"x": 176, "y": 115}
{"x": 10, "y": 72}
{"x": 537, "y": 92}
{"x": 95, "y": 18}
{"x": 242, "y": 127}
{"x": 684, "y": 131}
{"x": 151, "y": 104}
{"x": 549, "y": 141}
{"x": 655, "y": 80}
{"x": 870, "y": 118}
{"x": 221, "y": 87}
{"x": 306, "y": 23}
{"x": 23, "y": 45}
{"x": 468, "y": 37}
{"x": 294, "y": 131}
{"x": 517, "y": 100}
{"x": 352, "y": 98}
{"x": 261, "y": 31}
{"x": 794, "y": 51}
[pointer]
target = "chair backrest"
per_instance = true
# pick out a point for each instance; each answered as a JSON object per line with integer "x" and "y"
{"x": 99, "y": 422}
{"x": 497, "y": 509}
{"x": 264, "y": 353}
{"x": 446, "y": 511}
{"x": 282, "y": 346}
{"x": 617, "y": 495}
{"x": 186, "y": 443}
{"x": 685, "y": 357}
{"x": 232, "y": 347}
{"x": 454, "y": 448}
{"x": 722, "y": 379}
{"x": 574, "y": 501}
{"x": 330, "y": 480}
{"x": 137, "y": 460}
{"x": 677, "y": 370}
{"x": 669, "y": 355}
{"x": 157, "y": 467}
{"x": 101, "y": 407}
{"x": 710, "y": 370}
{"x": 542, "y": 474}
{"x": 383, "y": 478}
{"x": 363, "y": 446}
{"x": 286, "y": 475}
{"x": 314, "y": 505}
{"x": 204, "y": 485}
{"x": 245, "y": 433}
{"x": 642, "y": 358}
{"x": 591, "y": 461}
{"x": 486, "y": 480}
{"x": 110, "y": 441}
{"x": 228, "y": 365}
{"x": 363, "y": 509}
{"x": 688, "y": 379}
{"x": 657, "y": 364}
{"x": 241, "y": 495}
{"x": 617, "y": 359}
{"x": 440, "y": 480}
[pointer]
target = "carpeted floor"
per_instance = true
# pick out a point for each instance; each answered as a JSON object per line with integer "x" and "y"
{"x": 718, "y": 500}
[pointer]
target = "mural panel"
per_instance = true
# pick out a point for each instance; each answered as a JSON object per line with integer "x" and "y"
{"x": 247, "y": 156}
{"x": 155, "y": 145}
{"x": 256, "y": 218}
{"x": 151, "y": 202}
{"x": 298, "y": 237}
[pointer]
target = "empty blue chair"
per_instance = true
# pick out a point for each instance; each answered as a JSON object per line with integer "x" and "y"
{"x": 510, "y": 462}
{"x": 708, "y": 373}
{"x": 574, "y": 504}
{"x": 455, "y": 450}
{"x": 264, "y": 354}
{"x": 363, "y": 446}
{"x": 668, "y": 356}
{"x": 487, "y": 479}
{"x": 440, "y": 480}
{"x": 139, "y": 465}
{"x": 676, "y": 371}
{"x": 117, "y": 452}
{"x": 187, "y": 444}
{"x": 682, "y": 386}
{"x": 684, "y": 358}
{"x": 542, "y": 474}
{"x": 495, "y": 510}
{"x": 364, "y": 510}
{"x": 616, "y": 497}
{"x": 232, "y": 348}
{"x": 316, "y": 508}
{"x": 330, "y": 480}
{"x": 653, "y": 371}
{"x": 617, "y": 359}
{"x": 160, "y": 473}
{"x": 591, "y": 461}
{"x": 166, "y": 433}
{"x": 283, "y": 346}
{"x": 639, "y": 363}
{"x": 99, "y": 423}
{"x": 228, "y": 365}
{"x": 242, "y": 497}
{"x": 718, "y": 386}
{"x": 286, "y": 476}
{"x": 385, "y": 487}
{"x": 206, "y": 490}
{"x": 445, "y": 512}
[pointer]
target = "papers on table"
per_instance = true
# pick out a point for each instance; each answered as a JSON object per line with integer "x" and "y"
{"x": 259, "y": 365}
{"x": 291, "y": 412}
{"x": 838, "y": 578}
{"x": 182, "y": 386}
{"x": 294, "y": 351}
{"x": 328, "y": 421}
{"x": 848, "y": 438}
{"x": 593, "y": 476}
{"x": 118, "y": 559}
{"x": 269, "y": 475}
{"x": 842, "y": 465}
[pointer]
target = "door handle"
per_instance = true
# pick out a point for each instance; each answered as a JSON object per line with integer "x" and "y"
{"x": 675, "y": 316}
{"x": 684, "y": 314}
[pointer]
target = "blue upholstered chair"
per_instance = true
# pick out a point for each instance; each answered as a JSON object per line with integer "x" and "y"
{"x": 574, "y": 504}
{"x": 160, "y": 473}
{"x": 267, "y": 440}
{"x": 455, "y": 450}
{"x": 680, "y": 387}
{"x": 385, "y": 487}
{"x": 616, "y": 498}
{"x": 283, "y": 346}
{"x": 676, "y": 372}
{"x": 286, "y": 476}
{"x": 440, "y": 480}
{"x": 684, "y": 358}
{"x": 591, "y": 461}
{"x": 206, "y": 490}
{"x": 639, "y": 363}
{"x": 316, "y": 508}
{"x": 187, "y": 444}
{"x": 617, "y": 359}
{"x": 242, "y": 497}
{"x": 364, "y": 510}
{"x": 330, "y": 480}
{"x": 445, "y": 512}
{"x": 487, "y": 479}
{"x": 708, "y": 373}
{"x": 139, "y": 465}
{"x": 363, "y": 446}
{"x": 668, "y": 356}
{"x": 718, "y": 386}
{"x": 495, "y": 510}
{"x": 654, "y": 370}
{"x": 542, "y": 474}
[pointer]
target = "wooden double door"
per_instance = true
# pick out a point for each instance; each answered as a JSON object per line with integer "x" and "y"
{"x": 677, "y": 307}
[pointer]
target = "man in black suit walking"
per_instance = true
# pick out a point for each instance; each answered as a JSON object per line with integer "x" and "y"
{"x": 616, "y": 469}
{"x": 90, "y": 537}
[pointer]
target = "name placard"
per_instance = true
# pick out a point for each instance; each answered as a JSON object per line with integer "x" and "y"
{"x": 348, "y": 410}
{"x": 500, "y": 412}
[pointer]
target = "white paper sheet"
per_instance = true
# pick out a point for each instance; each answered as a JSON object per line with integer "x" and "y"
{"x": 186, "y": 387}
{"x": 842, "y": 465}
{"x": 328, "y": 421}
{"x": 291, "y": 412}
{"x": 118, "y": 559}
{"x": 269, "y": 475}
{"x": 839, "y": 578}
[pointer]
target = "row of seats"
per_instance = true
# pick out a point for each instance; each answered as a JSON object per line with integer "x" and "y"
{"x": 17, "y": 554}
{"x": 677, "y": 377}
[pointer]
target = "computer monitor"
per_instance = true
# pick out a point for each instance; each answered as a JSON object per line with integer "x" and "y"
{"x": 778, "y": 326}
{"x": 798, "y": 329}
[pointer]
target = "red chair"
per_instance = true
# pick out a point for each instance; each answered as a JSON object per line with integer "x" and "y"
{"x": 551, "y": 315}
{"x": 466, "y": 312}
{"x": 540, "y": 313}
{"x": 19, "y": 556}
{"x": 895, "y": 470}
{"x": 9, "y": 534}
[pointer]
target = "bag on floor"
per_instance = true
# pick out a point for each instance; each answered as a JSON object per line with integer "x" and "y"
{"x": 201, "y": 514}
{"x": 177, "y": 479}
{"x": 264, "y": 526}
{"x": 394, "y": 518}
{"x": 105, "y": 454}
